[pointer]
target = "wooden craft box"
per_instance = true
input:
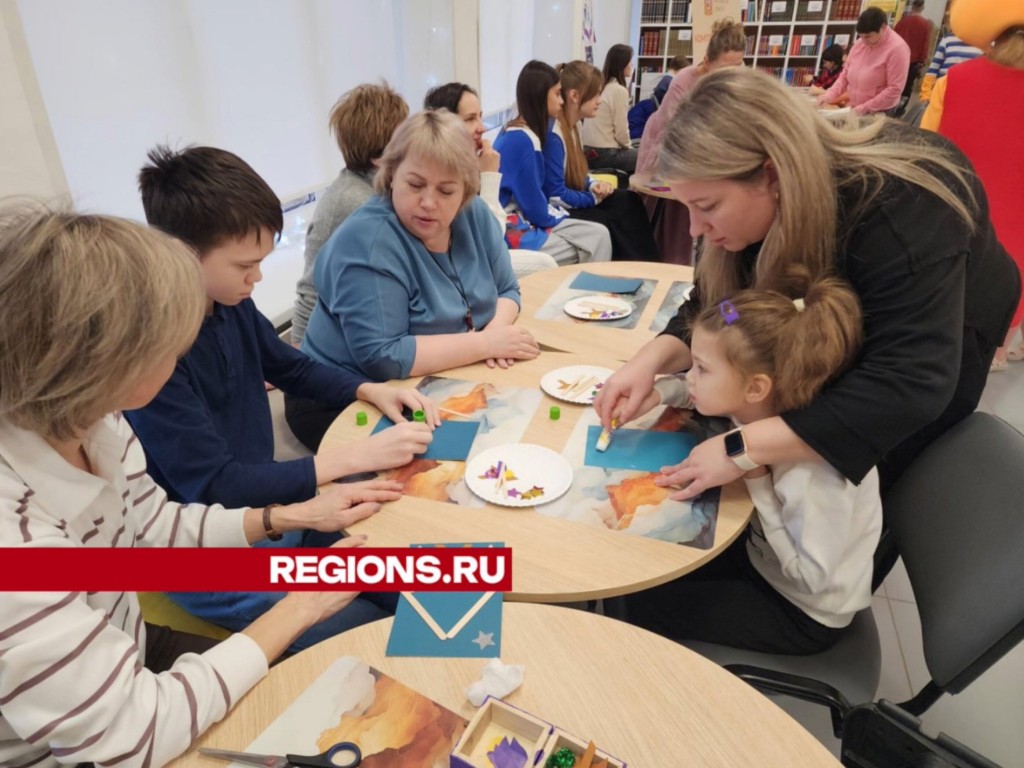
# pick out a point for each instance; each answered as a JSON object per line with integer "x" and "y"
{"x": 496, "y": 719}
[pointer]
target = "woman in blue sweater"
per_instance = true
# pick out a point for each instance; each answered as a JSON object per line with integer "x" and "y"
{"x": 533, "y": 222}
{"x": 418, "y": 280}
{"x": 566, "y": 181}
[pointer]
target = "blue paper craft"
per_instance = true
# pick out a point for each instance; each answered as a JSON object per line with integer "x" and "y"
{"x": 452, "y": 440}
{"x": 585, "y": 281}
{"x": 480, "y": 637}
{"x": 639, "y": 449}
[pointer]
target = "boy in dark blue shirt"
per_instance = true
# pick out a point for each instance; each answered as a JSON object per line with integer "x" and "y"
{"x": 208, "y": 435}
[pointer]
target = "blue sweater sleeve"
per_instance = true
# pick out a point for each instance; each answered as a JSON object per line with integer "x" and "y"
{"x": 521, "y": 178}
{"x": 377, "y": 334}
{"x": 190, "y": 456}
{"x": 297, "y": 375}
{"x": 554, "y": 176}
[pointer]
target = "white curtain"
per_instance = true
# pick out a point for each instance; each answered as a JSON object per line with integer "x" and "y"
{"x": 257, "y": 77}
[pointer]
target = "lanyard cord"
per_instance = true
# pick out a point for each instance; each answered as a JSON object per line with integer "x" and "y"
{"x": 453, "y": 278}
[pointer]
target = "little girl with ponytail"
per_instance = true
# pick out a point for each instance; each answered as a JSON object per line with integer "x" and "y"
{"x": 804, "y": 566}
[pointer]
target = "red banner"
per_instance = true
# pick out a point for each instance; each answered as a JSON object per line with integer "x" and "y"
{"x": 261, "y": 569}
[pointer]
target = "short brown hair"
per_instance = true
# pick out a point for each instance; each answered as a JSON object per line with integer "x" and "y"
{"x": 206, "y": 196}
{"x": 88, "y": 305}
{"x": 437, "y": 135}
{"x": 799, "y": 350}
{"x": 363, "y": 121}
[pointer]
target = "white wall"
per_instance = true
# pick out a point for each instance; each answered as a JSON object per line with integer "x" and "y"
{"x": 29, "y": 164}
{"x": 256, "y": 77}
{"x": 611, "y": 23}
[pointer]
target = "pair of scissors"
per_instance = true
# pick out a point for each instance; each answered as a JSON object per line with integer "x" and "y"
{"x": 344, "y": 754}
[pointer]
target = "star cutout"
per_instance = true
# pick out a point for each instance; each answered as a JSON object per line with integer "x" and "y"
{"x": 484, "y": 639}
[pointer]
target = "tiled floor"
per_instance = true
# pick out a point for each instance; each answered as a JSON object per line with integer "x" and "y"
{"x": 989, "y": 715}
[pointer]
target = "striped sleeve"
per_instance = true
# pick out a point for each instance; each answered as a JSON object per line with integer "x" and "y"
{"x": 164, "y": 523}
{"x": 72, "y": 683}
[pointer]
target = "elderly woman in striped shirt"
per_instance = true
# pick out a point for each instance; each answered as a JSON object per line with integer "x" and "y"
{"x": 94, "y": 314}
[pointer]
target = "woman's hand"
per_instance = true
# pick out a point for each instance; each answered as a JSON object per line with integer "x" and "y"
{"x": 507, "y": 343}
{"x": 601, "y": 190}
{"x": 707, "y": 466}
{"x": 623, "y": 396}
{"x": 488, "y": 159}
{"x": 391, "y": 400}
{"x": 317, "y": 606}
{"x": 338, "y": 507}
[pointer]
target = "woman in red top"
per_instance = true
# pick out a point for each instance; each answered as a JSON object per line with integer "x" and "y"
{"x": 979, "y": 105}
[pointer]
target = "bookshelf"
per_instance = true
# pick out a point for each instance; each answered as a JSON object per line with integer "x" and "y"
{"x": 665, "y": 31}
{"x": 785, "y": 38}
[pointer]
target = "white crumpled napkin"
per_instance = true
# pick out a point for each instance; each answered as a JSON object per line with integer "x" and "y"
{"x": 498, "y": 680}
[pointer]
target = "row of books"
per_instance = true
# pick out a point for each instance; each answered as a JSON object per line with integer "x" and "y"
{"x": 830, "y": 40}
{"x": 650, "y": 43}
{"x": 790, "y": 75}
{"x": 799, "y": 45}
{"x": 661, "y": 11}
{"x": 680, "y": 41}
{"x": 800, "y": 10}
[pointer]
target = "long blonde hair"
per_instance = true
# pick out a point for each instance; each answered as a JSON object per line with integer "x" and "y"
{"x": 735, "y": 121}
{"x": 587, "y": 81}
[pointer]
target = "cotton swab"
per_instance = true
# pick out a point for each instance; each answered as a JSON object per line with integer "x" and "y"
{"x": 605, "y": 438}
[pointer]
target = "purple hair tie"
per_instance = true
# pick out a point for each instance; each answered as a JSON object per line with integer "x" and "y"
{"x": 729, "y": 312}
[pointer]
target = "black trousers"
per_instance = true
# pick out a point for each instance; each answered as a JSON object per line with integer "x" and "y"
{"x": 725, "y": 602}
{"x": 309, "y": 420}
{"x": 623, "y": 213}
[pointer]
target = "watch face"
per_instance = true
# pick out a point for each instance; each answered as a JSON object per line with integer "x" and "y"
{"x": 734, "y": 445}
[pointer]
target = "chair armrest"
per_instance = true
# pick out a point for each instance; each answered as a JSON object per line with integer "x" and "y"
{"x": 797, "y": 686}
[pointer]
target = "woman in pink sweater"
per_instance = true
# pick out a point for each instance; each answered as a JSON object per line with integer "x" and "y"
{"x": 876, "y": 69}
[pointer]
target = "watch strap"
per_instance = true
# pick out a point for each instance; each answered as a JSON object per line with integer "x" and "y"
{"x": 268, "y": 527}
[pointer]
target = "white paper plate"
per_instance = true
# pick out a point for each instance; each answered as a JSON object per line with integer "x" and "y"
{"x": 598, "y": 308}
{"x": 575, "y": 383}
{"x": 540, "y": 475}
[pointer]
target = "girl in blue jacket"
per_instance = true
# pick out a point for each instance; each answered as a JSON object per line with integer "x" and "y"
{"x": 533, "y": 222}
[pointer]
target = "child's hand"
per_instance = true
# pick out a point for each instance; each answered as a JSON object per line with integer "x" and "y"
{"x": 391, "y": 400}
{"x": 395, "y": 446}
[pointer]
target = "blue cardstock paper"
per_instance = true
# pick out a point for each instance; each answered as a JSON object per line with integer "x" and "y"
{"x": 639, "y": 449}
{"x": 585, "y": 281}
{"x": 480, "y": 638}
{"x": 452, "y": 440}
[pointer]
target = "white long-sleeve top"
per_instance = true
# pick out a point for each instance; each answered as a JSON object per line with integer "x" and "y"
{"x": 72, "y": 683}
{"x": 815, "y": 533}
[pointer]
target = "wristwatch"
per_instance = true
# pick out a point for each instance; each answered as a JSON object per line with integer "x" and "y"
{"x": 736, "y": 449}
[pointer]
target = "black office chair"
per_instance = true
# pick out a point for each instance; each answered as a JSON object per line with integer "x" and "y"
{"x": 884, "y": 736}
{"x": 957, "y": 516}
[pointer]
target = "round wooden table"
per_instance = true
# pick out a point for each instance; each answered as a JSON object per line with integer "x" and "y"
{"x": 567, "y": 334}
{"x": 640, "y": 697}
{"x": 648, "y": 184}
{"x": 553, "y": 560}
